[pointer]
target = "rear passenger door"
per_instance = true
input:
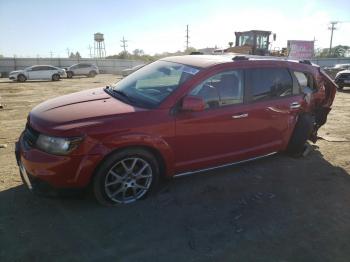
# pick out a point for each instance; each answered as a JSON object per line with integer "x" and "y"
{"x": 274, "y": 102}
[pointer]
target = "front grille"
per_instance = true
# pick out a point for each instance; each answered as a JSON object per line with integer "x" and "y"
{"x": 30, "y": 136}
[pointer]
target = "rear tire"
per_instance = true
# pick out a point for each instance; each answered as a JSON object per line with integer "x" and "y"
{"x": 55, "y": 77}
{"x": 125, "y": 177}
{"x": 21, "y": 78}
{"x": 302, "y": 131}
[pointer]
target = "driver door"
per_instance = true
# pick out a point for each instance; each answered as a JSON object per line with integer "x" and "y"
{"x": 35, "y": 73}
{"x": 216, "y": 135}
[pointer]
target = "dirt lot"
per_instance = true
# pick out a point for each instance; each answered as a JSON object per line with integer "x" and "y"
{"x": 275, "y": 209}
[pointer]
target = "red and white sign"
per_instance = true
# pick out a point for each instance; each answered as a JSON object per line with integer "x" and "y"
{"x": 298, "y": 49}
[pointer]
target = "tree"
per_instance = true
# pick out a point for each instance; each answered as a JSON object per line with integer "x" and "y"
{"x": 337, "y": 51}
{"x": 123, "y": 55}
{"x": 230, "y": 44}
{"x": 340, "y": 50}
{"x": 189, "y": 50}
{"x": 138, "y": 52}
{"x": 75, "y": 56}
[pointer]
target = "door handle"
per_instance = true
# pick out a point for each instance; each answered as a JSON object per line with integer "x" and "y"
{"x": 295, "y": 105}
{"x": 240, "y": 116}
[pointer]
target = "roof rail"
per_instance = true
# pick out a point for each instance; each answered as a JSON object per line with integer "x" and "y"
{"x": 240, "y": 58}
{"x": 307, "y": 62}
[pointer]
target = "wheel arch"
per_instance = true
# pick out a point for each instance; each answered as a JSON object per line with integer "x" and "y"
{"x": 21, "y": 74}
{"x": 164, "y": 164}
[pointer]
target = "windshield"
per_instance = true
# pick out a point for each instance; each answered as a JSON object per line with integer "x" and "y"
{"x": 151, "y": 84}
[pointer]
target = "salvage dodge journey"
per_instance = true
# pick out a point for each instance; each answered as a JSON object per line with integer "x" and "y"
{"x": 175, "y": 116}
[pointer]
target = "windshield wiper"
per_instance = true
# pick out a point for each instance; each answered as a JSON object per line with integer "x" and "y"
{"x": 123, "y": 94}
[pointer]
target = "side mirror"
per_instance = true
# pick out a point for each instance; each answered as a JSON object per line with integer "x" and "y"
{"x": 193, "y": 103}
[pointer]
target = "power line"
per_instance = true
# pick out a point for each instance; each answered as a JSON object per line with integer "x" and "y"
{"x": 124, "y": 45}
{"x": 187, "y": 37}
{"x": 332, "y": 28}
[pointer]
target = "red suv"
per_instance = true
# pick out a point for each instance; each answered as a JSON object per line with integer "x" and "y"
{"x": 175, "y": 116}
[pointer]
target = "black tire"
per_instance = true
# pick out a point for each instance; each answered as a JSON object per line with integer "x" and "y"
{"x": 302, "y": 131}
{"x": 69, "y": 74}
{"x": 21, "y": 78}
{"x": 92, "y": 74}
{"x": 56, "y": 77}
{"x": 113, "y": 165}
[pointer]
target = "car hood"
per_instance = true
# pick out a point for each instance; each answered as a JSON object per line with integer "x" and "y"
{"x": 76, "y": 110}
{"x": 16, "y": 72}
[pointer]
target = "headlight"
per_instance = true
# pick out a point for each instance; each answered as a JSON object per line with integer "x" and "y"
{"x": 57, "y": 145}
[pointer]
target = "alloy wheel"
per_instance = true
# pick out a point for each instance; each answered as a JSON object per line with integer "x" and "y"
{"x": 128, "y": 180}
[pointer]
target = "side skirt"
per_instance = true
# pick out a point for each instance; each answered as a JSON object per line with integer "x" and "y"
{"x": 225, "y": 165}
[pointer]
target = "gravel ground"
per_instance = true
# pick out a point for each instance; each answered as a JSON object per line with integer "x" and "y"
{"x": 275, "y": 209}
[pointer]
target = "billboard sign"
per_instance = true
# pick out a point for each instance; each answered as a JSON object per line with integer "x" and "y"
{"x": 298, "y": 49}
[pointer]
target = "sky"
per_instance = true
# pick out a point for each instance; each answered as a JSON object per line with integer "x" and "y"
{"x": 36, "y": 27}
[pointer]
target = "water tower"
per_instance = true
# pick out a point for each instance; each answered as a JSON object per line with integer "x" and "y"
{"x": 99, "y": 46}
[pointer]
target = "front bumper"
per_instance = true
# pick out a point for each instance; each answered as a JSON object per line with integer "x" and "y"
{"x": 38, "y": 169}
{"x": 12, "y": 77}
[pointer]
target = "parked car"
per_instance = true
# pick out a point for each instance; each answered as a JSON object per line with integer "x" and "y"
{"x": 89, "y": 70}
{"x": 332, "y": 71}
{"x": 173, "y": 117}
{"x": 342, "y": 79}
{"x": 38, "y": 72}
{"x": 128, "y": 71}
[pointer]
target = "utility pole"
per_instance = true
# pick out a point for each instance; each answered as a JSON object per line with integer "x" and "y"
{"x": 332, "y": 28}
{"x": 90, "y": 48}
{"x": 124, "y": 45}
{"x": 187, "y": 37}
{"x": 51, "y": 54}
{"x": 68, "y": 52}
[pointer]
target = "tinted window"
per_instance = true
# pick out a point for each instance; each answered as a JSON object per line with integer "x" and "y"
{"x": 222, "y": 89}
{"x": 268, "y": 83}
{"x": 84, "y": 65}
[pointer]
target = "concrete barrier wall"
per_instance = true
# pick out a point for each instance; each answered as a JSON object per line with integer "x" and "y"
{"x": 322, "y": 62}
{"x": 111, "y": 66}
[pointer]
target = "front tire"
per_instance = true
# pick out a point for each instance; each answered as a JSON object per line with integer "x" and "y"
{"x": 69, "y": 74}
{"x": 125, "y": 177}
{"x": 92, "y": 74}
{"x": 55, "y": 77}
{"x": 21, "y": 78}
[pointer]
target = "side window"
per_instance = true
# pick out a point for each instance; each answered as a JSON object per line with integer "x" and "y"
{"x": 269, "y": 83}
{"x": 37, "y": 68}
{"x": 304, "y": 80}
{"x": 222, "y": 89}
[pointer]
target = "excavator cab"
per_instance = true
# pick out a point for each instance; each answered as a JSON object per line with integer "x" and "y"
{"x": 254, "y": 42}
